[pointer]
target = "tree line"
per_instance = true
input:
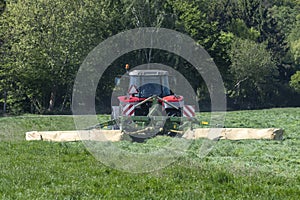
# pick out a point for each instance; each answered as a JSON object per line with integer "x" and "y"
{"x": 254, "y": 43}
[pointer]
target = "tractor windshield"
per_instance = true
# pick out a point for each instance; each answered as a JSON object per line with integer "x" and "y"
{"x": 151, "y": 85}
{"x": 151, "y": 89}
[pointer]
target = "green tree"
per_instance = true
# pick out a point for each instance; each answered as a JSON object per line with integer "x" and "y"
{"x": 42, "y": 48}
{"x": 192, "y": 19}
{"x": 45, "y": 42}
{"x": 294, "y": 40}
{"x": 145, "y": 13}
{"x": 295, "y": 81}
{"x": 254, "y": 73}
{"x": 2, "y": 6}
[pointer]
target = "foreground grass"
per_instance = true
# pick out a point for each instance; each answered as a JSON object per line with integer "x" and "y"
{"x": 250, "y": 169}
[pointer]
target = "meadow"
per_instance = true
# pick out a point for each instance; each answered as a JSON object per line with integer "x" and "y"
{"x": 245, "y": 169}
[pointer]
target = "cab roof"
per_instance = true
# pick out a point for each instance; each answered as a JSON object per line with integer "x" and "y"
{"x": 149, "y": 72}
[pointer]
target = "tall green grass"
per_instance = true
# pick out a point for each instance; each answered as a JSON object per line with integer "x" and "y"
{"x": 246, "y": 169}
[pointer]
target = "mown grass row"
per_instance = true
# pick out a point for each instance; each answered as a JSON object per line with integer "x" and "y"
{"x": 248, "y": 169}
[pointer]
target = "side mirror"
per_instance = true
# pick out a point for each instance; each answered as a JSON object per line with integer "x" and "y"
{"x": 117, "y": 81}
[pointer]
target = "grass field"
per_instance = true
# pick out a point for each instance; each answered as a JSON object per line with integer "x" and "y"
{"x": 248, "y": 169}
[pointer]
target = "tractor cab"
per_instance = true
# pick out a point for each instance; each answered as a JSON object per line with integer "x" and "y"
{"x": 146, "y": 83}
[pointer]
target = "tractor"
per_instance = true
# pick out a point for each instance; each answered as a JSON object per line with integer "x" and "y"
{"x": 150, "y": 107}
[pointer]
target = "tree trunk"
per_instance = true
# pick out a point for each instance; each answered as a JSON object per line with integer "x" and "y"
{"x": 37, "y": 105}
{"x": 64, "y": 102}
{"x": 5, "y": 102}
{"x": 52, "y": 101}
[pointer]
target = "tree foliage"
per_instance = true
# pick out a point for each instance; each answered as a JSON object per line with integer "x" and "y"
{"x": 254, "y": 43}
{"x": 295, "y": 81}
{"x": 294, "y": 39}
{"x": 47, "y": 41}
{"x": 253, "y": 71}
